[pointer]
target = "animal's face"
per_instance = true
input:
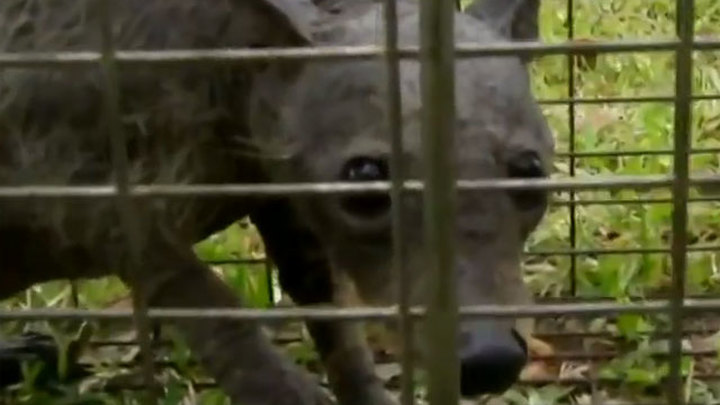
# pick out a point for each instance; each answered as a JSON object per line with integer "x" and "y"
{"x": 333, "y": 114}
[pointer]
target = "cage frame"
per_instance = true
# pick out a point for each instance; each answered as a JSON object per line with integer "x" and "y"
{"x": 677, "y": 306}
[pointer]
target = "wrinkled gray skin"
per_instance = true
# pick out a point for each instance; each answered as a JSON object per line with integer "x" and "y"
{"x": 267, "y": 123}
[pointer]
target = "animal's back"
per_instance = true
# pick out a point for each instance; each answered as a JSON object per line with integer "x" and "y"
{"x": 182, "y": 123}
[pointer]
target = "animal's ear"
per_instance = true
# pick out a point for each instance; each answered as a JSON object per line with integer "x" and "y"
{"x": 515, "y": 20}
{"x": 271, "y": 23}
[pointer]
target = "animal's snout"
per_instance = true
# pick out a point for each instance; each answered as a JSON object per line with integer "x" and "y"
{"x": 490, "y": 363}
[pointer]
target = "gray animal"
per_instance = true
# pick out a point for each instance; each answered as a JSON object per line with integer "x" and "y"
{"x": 269, "y": 122}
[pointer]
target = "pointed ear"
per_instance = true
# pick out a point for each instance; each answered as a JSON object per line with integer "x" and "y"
{"x": 271, "y": 23}
{"x": 515, "y": 20}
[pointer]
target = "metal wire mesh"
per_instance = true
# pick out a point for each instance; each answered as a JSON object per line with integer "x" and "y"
{"x": 677, "y": 306}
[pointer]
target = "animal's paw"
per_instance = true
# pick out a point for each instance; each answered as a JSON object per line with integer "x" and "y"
{"x": 276, "y": 385}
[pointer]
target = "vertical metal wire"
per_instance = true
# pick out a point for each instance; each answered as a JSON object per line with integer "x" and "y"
{"x": 437, "y": 52}
{"x": 74, "y": 294}
{"x": 269, "y": 281}
{"x": 685, "y": 11}
{"x": 571, "y": 128}
{"x": 394, "y": 108}
{"x": 128, "y": 217}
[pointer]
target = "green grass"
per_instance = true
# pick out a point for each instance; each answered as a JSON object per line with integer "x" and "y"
{"x": 618, "y": 127}
{"x": 628, "y": 126}
{"x": 608, "y": 127}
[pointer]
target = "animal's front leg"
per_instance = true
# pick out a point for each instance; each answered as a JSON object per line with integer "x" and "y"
{"x": 305, "y": 274}
{"x": 349, "y": 364}
{"x": 236, "y": 353}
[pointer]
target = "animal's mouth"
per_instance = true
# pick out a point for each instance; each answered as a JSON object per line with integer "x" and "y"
{"x": 491, "y": 376}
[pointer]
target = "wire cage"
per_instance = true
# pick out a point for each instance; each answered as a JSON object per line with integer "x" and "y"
{"x": 675, "y": 303}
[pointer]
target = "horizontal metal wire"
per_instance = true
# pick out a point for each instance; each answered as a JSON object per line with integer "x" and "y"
{"x": 560, "y": 356}
{"x": 630, "y": 201}
{"x": 608, "y": 299}
{"x": 358, "y": 314}
{"x": 540, "y": 253}
{"x": 638, "y": 152}
{"x": 54, "y": 59}
{"x": 608, "y": 355}
{"x": 565, "y": 355}
{"x": 597, "y": 382}
{"x": 542, "y": 335}
{"x": 556, "y": 252}
{"x": 543, "y": 253}
{"x": 619, "y": 251}
{"x": 259, "y": 190}
{"x": 605, "y": 335}
{"x": 624, "y": 99}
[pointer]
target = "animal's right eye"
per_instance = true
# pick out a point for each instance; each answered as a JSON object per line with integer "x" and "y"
{"x": 366, "y": 169}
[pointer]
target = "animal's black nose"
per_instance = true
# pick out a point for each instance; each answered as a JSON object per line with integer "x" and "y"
{"x": 493, "y": 367}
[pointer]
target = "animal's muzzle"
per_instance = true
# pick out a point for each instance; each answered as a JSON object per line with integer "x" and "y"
{"x": 491, "y": 364}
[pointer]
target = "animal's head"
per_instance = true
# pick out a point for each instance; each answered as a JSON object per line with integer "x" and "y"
{"x": 333, "y": 118}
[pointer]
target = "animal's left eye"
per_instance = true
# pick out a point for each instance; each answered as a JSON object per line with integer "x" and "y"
{"x": 365, "y": 169}
{"x": 527, "y": 165}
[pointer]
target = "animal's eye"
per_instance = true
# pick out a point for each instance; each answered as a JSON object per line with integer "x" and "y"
{"x": 366, "y": 169}
{"x": 527, "y": 165}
